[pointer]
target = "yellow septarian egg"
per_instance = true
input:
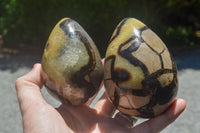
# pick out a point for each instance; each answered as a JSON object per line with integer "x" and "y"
{"x": 71, "y": 63}
{"x": 140, "y": 76}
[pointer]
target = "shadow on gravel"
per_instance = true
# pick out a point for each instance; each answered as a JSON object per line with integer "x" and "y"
{"x": 188, "y": 60}
{"x": 15, "y": 62}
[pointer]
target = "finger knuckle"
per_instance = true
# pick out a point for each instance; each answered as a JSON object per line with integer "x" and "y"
{"x": 18, "y": 82}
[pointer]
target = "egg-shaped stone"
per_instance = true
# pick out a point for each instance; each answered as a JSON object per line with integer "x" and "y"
{"x": 140, "y": 75}
{"x": 71, "y": 64}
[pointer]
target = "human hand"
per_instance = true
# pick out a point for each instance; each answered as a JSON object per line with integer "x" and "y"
{"x": 38, "y": 116}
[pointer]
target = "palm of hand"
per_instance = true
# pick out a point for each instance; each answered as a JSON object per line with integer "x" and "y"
{"x": 39, "y": 116}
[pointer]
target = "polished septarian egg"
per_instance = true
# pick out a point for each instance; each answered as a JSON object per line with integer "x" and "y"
{"x": 71, "y": 64}
{"x": 140, "y": 75}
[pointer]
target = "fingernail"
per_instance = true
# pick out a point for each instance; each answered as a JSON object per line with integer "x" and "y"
{"x": 35, "y": 65}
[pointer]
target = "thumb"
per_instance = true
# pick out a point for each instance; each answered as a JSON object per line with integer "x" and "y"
{"x": 28, "y": 88}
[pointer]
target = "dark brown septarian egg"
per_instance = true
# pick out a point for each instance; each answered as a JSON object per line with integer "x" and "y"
{"x": 140, "y": 75}
{"x": 71, "y": 64}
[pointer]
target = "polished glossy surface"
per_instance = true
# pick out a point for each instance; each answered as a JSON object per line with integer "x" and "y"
{"x": 140, "y": 75}
{"x": 71, "y": 63}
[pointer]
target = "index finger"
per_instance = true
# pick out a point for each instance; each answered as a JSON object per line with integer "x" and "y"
{"x": 158, "y": 123}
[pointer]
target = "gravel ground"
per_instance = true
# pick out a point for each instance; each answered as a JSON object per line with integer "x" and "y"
{"x": 14, "y": 66}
